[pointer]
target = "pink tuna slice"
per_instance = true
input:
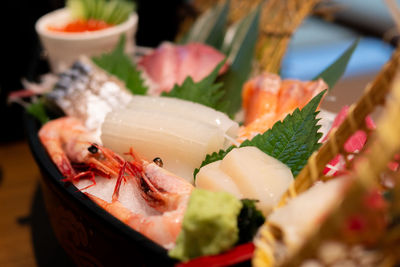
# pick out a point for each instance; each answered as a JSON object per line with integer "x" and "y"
{"x": 170, "y": 64}
{"x": 355, "y": 143}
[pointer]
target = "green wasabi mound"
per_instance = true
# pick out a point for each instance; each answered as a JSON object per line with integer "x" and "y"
{"x": 209, "y": 226}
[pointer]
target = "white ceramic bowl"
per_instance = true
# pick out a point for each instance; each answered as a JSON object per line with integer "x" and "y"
{"x": 64, "y": 48}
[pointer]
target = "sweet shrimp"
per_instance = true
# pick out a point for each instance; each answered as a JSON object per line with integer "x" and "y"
{"x": 163, "y": 191}
{"x": 68, "y": 142}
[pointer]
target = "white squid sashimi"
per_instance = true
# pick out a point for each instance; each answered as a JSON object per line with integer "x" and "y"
{"x": 256, "y": 175}
{"x": 181, "y": 143}
{"x": 186, "y": 109}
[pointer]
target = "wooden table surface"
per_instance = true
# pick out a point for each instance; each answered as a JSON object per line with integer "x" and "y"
{"x": 18, "y": 181}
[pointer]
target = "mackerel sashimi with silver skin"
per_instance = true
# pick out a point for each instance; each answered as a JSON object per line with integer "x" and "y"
{"x": 87, "y": 92}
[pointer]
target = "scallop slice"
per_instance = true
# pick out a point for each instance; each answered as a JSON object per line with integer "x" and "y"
{"x": 181, "y": 143}
{"x": 188, "y": 110}
{"x": 255, "y": 174}
{"x": 212, "y": 178}
{"x": 258, "y": 175}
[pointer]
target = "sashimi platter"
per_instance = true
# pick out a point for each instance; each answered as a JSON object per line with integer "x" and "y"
{"x": 202, "y": 150}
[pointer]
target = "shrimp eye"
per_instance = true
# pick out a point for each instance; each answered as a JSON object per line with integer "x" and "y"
{"x": 158, "y": 161}
{"x": 93, "y": 149}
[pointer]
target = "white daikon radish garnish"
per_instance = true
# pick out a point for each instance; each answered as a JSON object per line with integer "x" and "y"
{"x": 256, "y": 175}
{"x": 303, "y": 214}
{"x": 212, "y": 178}
{"x": 181, "y": 143}
{"x": 186, "y": 109}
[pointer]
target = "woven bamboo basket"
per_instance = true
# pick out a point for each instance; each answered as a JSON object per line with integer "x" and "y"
{"x": 373, "y": 97}
{"x": 371, "y": 164}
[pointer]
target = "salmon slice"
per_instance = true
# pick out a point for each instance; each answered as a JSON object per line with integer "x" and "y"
{"x": 267, "y": 99}
{"x": 260, "y": 96}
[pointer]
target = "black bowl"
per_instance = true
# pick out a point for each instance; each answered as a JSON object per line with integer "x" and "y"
{"x": 87, "y": 233}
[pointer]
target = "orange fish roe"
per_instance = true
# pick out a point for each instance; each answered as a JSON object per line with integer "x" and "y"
{"x": 82, "y": 26}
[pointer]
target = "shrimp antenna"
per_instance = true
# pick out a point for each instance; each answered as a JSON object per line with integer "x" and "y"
{"x": 121, "y": 174}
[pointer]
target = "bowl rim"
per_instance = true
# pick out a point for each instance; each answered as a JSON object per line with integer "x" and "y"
{"x": 43, "y": 22}
{"x": 81, "y": 200}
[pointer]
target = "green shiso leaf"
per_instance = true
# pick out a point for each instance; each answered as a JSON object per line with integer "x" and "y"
{"x": 37, "y": 109}
{"x": 240, "y": 53}
{"x": 333, "y": 72}
{"x": 119, "y": 64}
{"x": 292, "y": 141}
{"x": 209, "y": 28}
{"x": 205, "y": 92}
{"x": 112, "y": 12}
{"x": 249, "y": 220}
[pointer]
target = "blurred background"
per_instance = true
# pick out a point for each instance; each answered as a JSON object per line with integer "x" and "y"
{"x": 23, "y": 56}
{"x": 320, "y": 39}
